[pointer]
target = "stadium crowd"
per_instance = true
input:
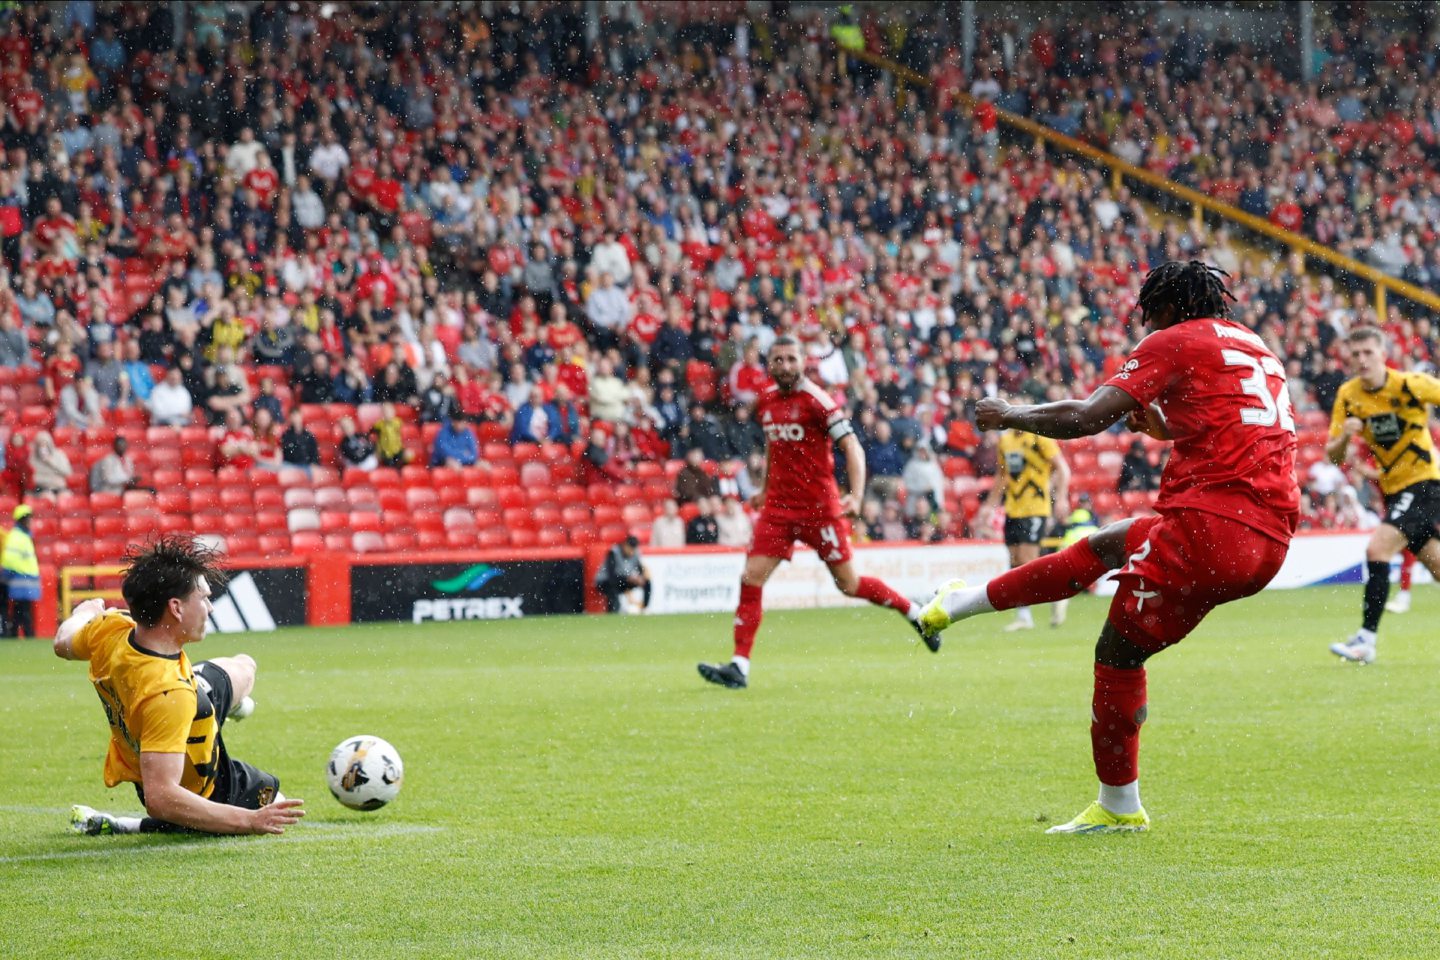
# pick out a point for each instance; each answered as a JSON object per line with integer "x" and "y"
{"x": 500, "y": 227}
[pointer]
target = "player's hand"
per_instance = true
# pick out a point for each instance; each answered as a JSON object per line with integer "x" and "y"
{"x": 90, "y": 609}
{"x": 990, "y": 413}
{"x": 850, "y": 505}
{"x": 1352, "y": 426}
{"x": 275, "y": 817}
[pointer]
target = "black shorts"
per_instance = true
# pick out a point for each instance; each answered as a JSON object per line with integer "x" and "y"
{"x": 1415, "y": 511}
{"x": 237, "y": 784}
{"x": 1025, "y": 530}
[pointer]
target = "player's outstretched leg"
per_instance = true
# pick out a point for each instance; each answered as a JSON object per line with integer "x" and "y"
{"x": 92, "y": 822}
{"x": 1400, "y": 603}
{"x": 1117, "y": 711}
{"x": 877, "y": 591}
{"x": 735, "y": 675}
{"x": 1385, "y": 542}
{"x": 1058, "y": 576}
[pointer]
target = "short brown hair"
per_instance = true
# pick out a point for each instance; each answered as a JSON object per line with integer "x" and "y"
{"x": 166, "y": 569}
{"x": 1358, "y": 334}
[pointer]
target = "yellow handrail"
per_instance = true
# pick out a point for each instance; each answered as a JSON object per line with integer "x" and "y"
{"x": 1121, "y": 169}
{"x": 70, "y": 596}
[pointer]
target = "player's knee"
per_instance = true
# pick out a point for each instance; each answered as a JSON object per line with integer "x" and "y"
{"x": 241, "y": 669}
{"x": 848, "y": 585}
{"x": 1378, "y": 553}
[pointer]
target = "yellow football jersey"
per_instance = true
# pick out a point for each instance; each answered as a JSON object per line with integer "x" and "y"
{"x": 151, "y": 704}
{"x": 1397, "y": 425}
{"x": 1026, "y": 463}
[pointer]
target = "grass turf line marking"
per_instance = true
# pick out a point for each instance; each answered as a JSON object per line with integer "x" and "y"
{"x": 314, "y": 833}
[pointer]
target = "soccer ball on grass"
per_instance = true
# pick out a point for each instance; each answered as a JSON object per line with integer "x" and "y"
{"x": 364, "y": 773}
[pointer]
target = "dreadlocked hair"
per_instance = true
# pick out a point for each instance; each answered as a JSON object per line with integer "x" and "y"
{"x": 1194, "y": 287}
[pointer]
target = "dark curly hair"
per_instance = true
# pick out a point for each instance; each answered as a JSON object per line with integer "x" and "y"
{"x": 1196, "y": 289}
{"x": 166, "y": 569}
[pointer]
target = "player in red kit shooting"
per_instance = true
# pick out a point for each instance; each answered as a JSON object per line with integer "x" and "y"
{"x": 800, "y": 501}
{"x": 1228, "y": 506}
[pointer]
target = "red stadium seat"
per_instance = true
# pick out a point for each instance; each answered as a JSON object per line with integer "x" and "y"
{"x": 106, "y": 502}
{"x": 333, "y": 521}
{"x": 482, "y": 498}
{"x": 518, "y": 518}
{"x": 238, "y": 499}
{"x": 237, "y": 522}
{"x": 331, "y": 498}
{"x": 363, "y": 521}
{"x": 572, "y": 515}
{"x": 458, "y": 517}
{"x": 338, "y": 542}
{"x": 539, "y": 495}
{"x": 582, "y": 535}
{"x": 242, "y": 544}
{"x": 523, "y": 539}
{"x": 75, "y": 527}
{"x": 612, "y": 533}
{"x": 208, "y": 523}
{"x": 274, "y": 544}
{"x": 109, "y": 525}
{"x": 534, "y": 475}
{"x": 302, "y": 518}
{"x": 367, "y": 541}
{"x": 306, "y": 541}
{"x": 174, "y": 523}
{"x": 546, "y": 516}
{"x": 363, "y": 498}
{"x": 461, "y": 539}
{"x": 393, "y": 501}
{"x": 269, "y": 521}
{"x": 204, "y": 499}
{"x": 492, "y": 538}
{"x": 428, "y": 520}
{"x": 568, "y": 493}
{"x": 401, "y": 542}
{"x": 432, "y": 540}
{"x": 417, "y": 497}
{"x": 551, "y": 537}
{"x": 168, "y": 479}
{"x": 452, "y": 495}
{"x": 607, "y": 513}
{"x": 269, "y": 498}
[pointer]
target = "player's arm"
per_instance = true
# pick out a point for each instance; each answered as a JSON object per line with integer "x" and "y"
{"x": 855, "y": 472}
{"x": 166, "y": 800}
{"x": 1342, "y": 428}
{"x": 1063, "y": 420}
{"x": 758, "y": 500}
{"x": 997, "y": 489}
{"x": 1149, "y": 421}
{"x": 64, "y": 644}
{"x": 1060, "y": 484}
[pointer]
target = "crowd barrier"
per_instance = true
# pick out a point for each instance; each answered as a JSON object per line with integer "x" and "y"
{"x": 330, "y": 589}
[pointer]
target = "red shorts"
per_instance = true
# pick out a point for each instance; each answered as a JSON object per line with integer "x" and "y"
{"x": 1181, "y": 566}
{"x": 776, "y": 536}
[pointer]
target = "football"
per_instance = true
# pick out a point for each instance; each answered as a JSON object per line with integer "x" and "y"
{"x": 364, "y": 773}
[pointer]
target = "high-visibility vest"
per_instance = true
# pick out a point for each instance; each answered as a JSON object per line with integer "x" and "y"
{"x": 848, "y": 35}
{"x": 1079, "y": 525}
{"x": 20, "y": 568}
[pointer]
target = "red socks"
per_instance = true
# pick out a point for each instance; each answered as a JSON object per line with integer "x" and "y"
{"x": 875, "y": 591}
{"x": 747, "y": 619}
{"x": 1056, "y": 577}
{"x": 1117, "y": 711}
{"x": 1407, "y": 569}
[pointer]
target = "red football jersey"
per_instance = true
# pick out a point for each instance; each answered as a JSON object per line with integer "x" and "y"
{"x": 1227, "y": 406}
{"x": 800, "y": 431}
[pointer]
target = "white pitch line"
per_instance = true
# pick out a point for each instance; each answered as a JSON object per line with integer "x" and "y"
{"x": 311, "y": 835}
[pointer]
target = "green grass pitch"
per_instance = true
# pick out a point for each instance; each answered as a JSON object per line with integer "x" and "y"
{"x": 574, "y": 790}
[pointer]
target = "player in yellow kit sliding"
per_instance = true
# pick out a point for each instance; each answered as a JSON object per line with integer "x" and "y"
{"x": 1390, "y": 410}
{"x": 1031, "y": 469}
{"x": 164, "y": 716}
